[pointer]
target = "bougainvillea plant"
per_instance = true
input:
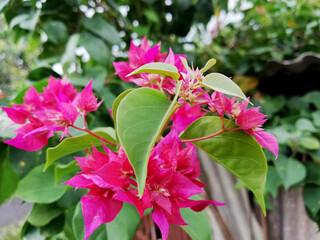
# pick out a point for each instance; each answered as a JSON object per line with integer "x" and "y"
{"x": 149, "y": 159}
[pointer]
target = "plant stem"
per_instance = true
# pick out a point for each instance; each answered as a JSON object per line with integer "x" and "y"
{"x": 93, "y": 134}
{"x": 209, "y": 136}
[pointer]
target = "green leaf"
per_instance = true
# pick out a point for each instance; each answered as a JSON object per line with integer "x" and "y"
{"x": 141, "y": 117}
{"x": 102, "y": 28}
{"x": 237, "y": 151}
{"x": 8, "y": 178}
{"x": 40, "y": 187}
{"x": 26, "y": 21}
{"x": 115, "y": 106}
{"x": 96, "y": 47}
{"x": 290, "y": 170}
{"x": 56, "y": 31}
{"x": 316, "y": 118}
{"x": 54, "y": 227}
{"x": 311, "y": 199}
{"x": 71, "y": 197}
{"x": 273, "y": 181}
{"x": 42, "y": 214}
{"x": 125, "y": 225}
{"x": 308, "y": 142}
{"x": 160, "y": 68}
{"x": 313, "y": 173}
{"x": 151, "y": 15}
{"x": 30, "y": 232}
{"x": 78, "y": 143}
{"x": 199, "y": 227}
{"x": 69, "y": 54}
{"x": 282, "y": 134}
{"x": 61, "y": 170}
{"x": 223, "y": 84}
{"x": 208, "y": 65}
{"x": 304, "y": 124}
{"x": 312, "y": 97}
{"x": 315, "y": 155}
{"x": 41, "y": 73}
{"x": 24, "y": 161}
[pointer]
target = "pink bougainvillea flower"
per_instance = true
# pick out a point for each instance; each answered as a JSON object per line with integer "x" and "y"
{"x": 251, "y": 121}
{"x": 32, "y": 142}
{"x": 144, "y": 54}
{"x": 250, "y": 118}
{"x": 238, "y": 107}
{"x": 190, "y": 91}
{"x": 60, "y": 119}
{"x": 57, "y": 89}
{"x": 86, "y": 101}
{"x": 41, "y": 114}
{"x": 172, "y": 178}
{"x": 32, "y": 100}
{"x": 175, "y": 60}
{"x": 267, "y": 140}
{"x": 17, "y": 113}
{"x": 220, "y": 103}
{"x": 98, "y": 208}
{"x": 138, "y": 56}
{"x": 106, "y": 175}
{"x": 185, "y": 115}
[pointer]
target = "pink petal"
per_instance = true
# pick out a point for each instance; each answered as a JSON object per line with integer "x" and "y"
{"x": 98, "y": 210}
{"x": 267, "y": 140}
{"x": 113, "y": 174}
{"x": 250, "y": 118}
{"x": 79, "y": 181}
{"x": 31, "y": 143}
{"x": 17, "y": 113}
{"x": 86, "y": 101}
{"x": 199, "y": 205}
{"x": 131, "y": 196}
{"x": 160, "y": 219}
{"x": 32, "y": 99}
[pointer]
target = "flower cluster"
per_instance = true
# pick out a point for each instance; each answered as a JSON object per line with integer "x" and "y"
{"x": 249, "y": 120}
{"x": 144, "y": 54}
{"x": 55, "y": 109}
{"x": 192, "y": 96}
{"x": 172, "y": 179}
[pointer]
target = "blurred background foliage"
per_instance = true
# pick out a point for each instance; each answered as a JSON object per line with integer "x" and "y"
{"x": 81, "y": 38}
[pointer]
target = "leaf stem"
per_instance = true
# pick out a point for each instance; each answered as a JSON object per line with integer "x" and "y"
{"x": 210, "y": 136}
{"x": 93, "y": 134}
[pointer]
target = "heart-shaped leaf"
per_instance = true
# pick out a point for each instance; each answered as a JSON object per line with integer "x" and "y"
{"x": 141, "y": 117}
{"x": 115, "y": 106}
{"x": 291, "y": 171}
{"x": 42, "y": 214}
{"x": 158, "y": 68}
{"x": 237, "y": 151}
{"x": 40, "y": 187}
{"x": 223, "y": 84}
